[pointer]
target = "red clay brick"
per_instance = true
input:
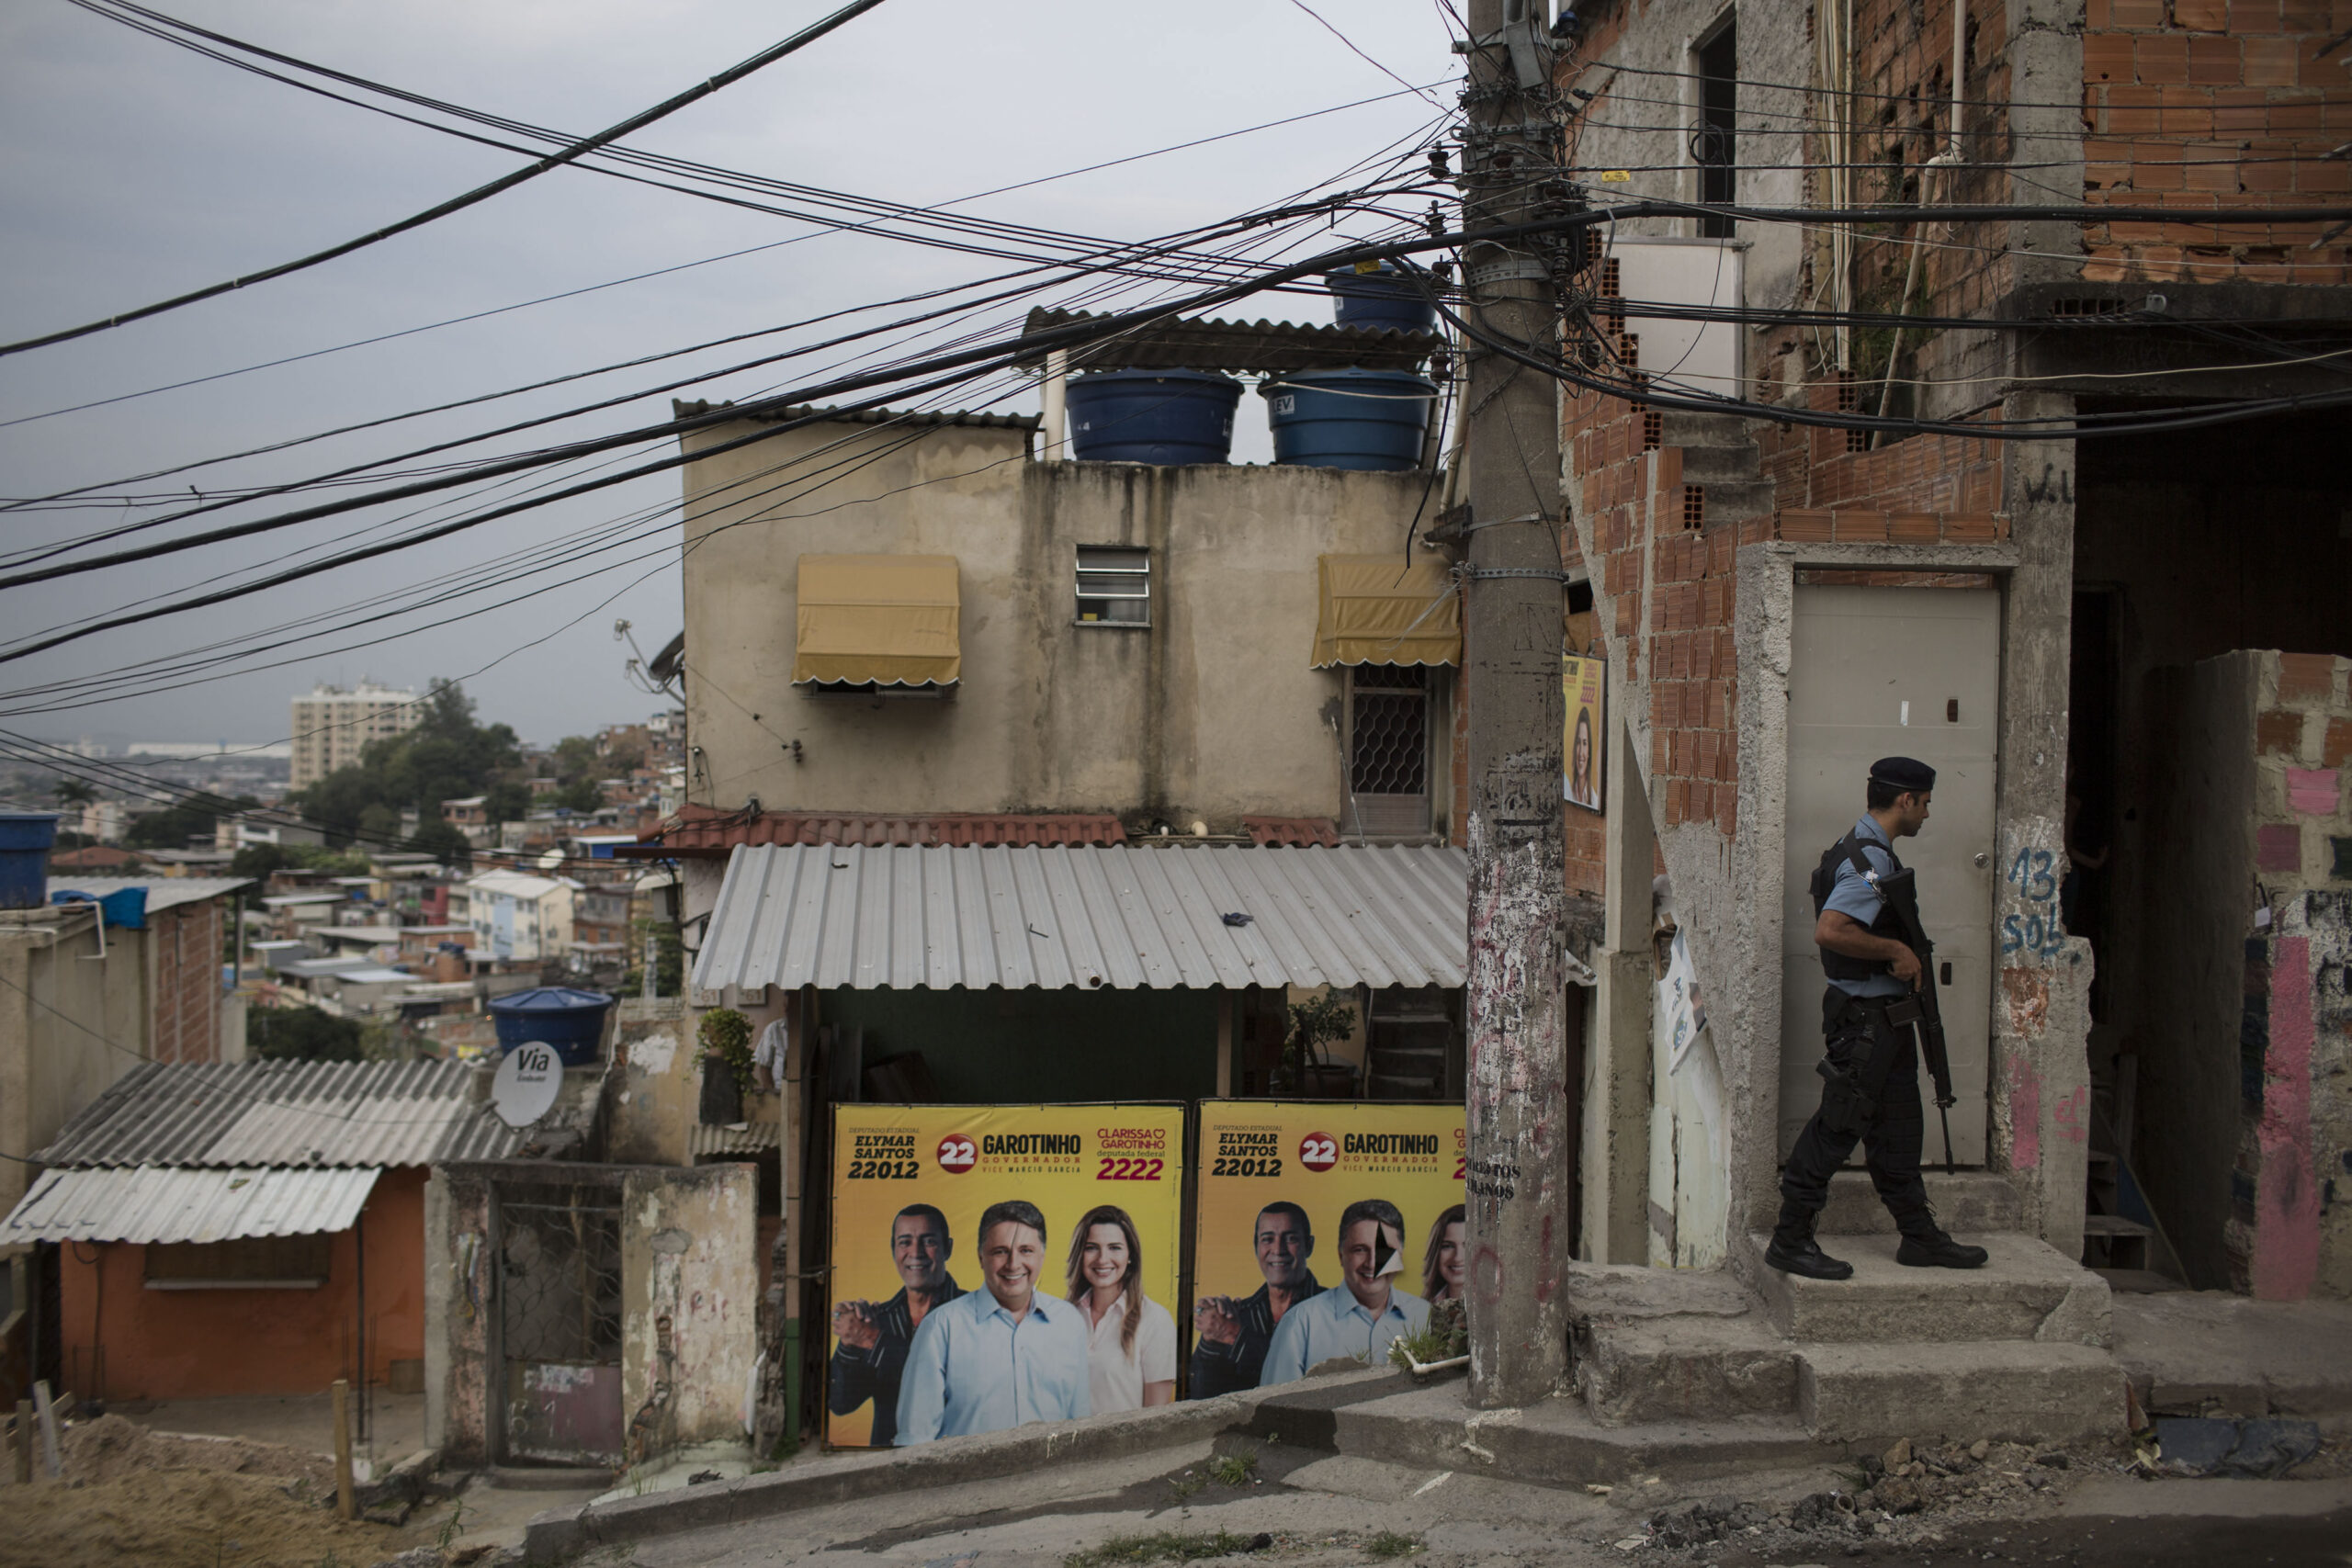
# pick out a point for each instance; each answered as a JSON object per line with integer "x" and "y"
{"x": 2279, "y": 733}
{"x": 2270, "y": 62}
{"x": 2160, "y": 58}
{"x": 1802, "y": 526}
{"x": 2306, "y": 677}
{"x": 2107, "y": 57}
{"x": 2200, "y": 16}
{"x": 2336, "y": 749}
{"x": 2216, "y": 62}
{"x": 2248, "y": 17}
{"x": 2136, "y": 13}
{"x": 1866, "y": 526}
{"x": 1914, "y": 528}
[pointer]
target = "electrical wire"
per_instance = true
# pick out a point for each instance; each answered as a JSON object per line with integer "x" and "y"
{"x": 478, "y": 194}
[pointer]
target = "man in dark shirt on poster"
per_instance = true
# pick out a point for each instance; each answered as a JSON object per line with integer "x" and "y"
{"x": 1230, "y": 1337}
{"x": 872, "y": 1355}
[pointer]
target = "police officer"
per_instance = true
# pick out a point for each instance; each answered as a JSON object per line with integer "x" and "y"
{"x": 1871, "y": 1066}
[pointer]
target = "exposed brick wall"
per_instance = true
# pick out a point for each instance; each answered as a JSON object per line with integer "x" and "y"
{"x": 1810, "y": 466}
{"x": 2214, "y": 104}
{"x": 1669, "y": 590}
{"x": 186, "y": 1017}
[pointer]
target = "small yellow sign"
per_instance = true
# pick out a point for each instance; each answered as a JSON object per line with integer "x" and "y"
{"x": 1615, "y": 176}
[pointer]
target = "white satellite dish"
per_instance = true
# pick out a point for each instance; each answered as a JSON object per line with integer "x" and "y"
{"x": 526, "y": 1083}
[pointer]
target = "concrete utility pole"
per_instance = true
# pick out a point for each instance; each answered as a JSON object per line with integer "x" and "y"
{"x": 1520, "y": 1107}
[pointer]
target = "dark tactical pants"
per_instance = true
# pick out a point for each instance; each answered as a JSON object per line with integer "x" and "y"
{"x": 1891, "y": 1124}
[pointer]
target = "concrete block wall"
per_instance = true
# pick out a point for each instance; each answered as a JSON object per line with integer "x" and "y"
{"x": 2214, "y": 104}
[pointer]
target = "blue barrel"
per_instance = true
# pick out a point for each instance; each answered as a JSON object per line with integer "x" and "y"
{"x": 1373, "y": 420}
{"x": 572, "y": 1021}
{"x": 1153, "y": 416}
{"x": 26, "y": 838}
{"x": 1383, "y": 300}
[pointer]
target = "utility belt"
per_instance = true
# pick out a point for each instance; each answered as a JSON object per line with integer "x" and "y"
{"x": 1865, "y": 1036}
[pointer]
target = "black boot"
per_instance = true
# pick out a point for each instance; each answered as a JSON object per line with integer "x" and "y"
{"x": 1926, "y": 1245}
{"x": 1793, "y": 1250}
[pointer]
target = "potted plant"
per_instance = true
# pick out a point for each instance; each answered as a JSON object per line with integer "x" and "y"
{"x": 1316, "y": 1023}
{"x": 726, "y": 1036}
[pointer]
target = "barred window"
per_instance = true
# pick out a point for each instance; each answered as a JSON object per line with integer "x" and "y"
{"x": 1114, "y": 585}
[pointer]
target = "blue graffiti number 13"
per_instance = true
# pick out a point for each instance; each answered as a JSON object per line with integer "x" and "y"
{"x": 2035, "y": 929}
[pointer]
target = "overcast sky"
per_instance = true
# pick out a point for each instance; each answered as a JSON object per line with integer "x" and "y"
{"x": 134, "y": 170}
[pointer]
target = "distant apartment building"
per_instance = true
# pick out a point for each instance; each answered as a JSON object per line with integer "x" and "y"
{"x": 331, "y": 727}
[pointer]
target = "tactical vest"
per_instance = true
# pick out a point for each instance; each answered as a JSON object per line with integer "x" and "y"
{"x": 1838, "y": 965}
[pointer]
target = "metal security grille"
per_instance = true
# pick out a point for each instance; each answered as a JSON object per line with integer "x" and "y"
{"x": 1389, "y": 745}
{"x": 560, "y": 1329}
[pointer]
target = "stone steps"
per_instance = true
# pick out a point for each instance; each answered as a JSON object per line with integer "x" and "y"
{"x": 2001, "y": 1389}
{"x": 2028, "y": 1291}
{"x": 1966, "y": 1204}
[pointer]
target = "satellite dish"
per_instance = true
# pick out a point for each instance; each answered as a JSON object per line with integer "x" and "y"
{"x": 526, "y": 1083}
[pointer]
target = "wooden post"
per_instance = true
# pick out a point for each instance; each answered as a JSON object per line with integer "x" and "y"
{"x": 343, "y": 1449}
{"x": 24, "y": 1442}
{"x": 51, "y": 1464}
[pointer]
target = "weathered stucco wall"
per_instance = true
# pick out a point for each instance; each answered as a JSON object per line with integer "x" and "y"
{"x": 1210, "y": 712}
{"x": 656, "y": 1085}
{"x": 59, "y": 1008}
{"x": 690, "y": 1292}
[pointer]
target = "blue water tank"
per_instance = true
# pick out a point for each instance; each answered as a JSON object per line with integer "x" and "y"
{"x": 1153, "y": 416}
{"x": 1373, "y": 420}
{"x": 572, "y": 1021}
{"x": 1383, "y": 299}
{"x": 26, "y": 838}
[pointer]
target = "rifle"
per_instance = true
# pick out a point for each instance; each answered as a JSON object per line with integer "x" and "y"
{"x": 1901, "y": 891}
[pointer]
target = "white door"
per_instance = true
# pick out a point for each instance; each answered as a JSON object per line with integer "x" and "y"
{"x": 1880, "y": 672}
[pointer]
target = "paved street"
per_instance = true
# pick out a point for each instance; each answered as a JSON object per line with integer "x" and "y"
{"x": 1324, "y": 1510}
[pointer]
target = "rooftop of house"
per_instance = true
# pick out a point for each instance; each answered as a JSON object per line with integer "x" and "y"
{"x": 163, "y": 892}
{"x": 286, "y": 1113}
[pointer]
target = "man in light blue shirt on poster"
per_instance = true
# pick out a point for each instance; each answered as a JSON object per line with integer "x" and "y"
{"x": 1365, "y": 1313}
{"x": 1000, "y": 1356}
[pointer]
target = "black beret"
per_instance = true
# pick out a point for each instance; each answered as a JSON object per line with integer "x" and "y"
{"x": 1902, "y": 773}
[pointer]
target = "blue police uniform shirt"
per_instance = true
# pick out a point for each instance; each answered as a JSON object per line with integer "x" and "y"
{"x": 972, "y": 1369}
{"x": 1335, "y": 1323}
{"x": 1853, "y": 896}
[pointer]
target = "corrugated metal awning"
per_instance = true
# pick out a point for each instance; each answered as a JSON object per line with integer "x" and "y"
{"x": 1088, "y": 917}
{"x": 1382, "y": 610}
{"x": 888, "y": 619}
{"x": 165, "y": 1203}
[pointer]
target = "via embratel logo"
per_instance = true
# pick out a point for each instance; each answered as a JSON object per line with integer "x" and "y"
{"x": 956, "y": 1154}
{"x": 1318, "y": 1151}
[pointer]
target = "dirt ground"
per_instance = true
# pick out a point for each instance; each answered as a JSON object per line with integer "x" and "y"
{"x": 129, "y": 1495}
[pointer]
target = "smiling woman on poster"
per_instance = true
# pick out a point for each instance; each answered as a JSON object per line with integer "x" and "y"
{"x": 1442, "y": 1260}
{"x": 1580, "y": 790}
{"x": 1131, "y": 1339}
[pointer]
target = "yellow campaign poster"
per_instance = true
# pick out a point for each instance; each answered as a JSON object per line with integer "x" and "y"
{"x": 1077, "y": 1200}
{"x": 1298, "y": 1198}
{"x": 1584, "y": 683}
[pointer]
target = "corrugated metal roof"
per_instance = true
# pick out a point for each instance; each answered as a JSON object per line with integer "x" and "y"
{"x": 161, "y": 1204}
{"x": 753, "y": 1137}
{"x": 163, "y": 892}
{"x": 1203, "y": 344}
{"x": 1083, "y": 915}
{"x": 297, "y": 1113}
{"x": 703, "y": 828}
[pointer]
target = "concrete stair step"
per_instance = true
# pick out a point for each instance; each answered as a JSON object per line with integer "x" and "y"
{"x": 2026, "y": 1291}
{"x": 2001, "y": 1389}
{"x": 1737, "y": 502}
{"x": 1720, "y": 465}
{"x": 1688, "y": 427}
{"x": 1965, "y": 1204}
{"x": 1556, "y": 1443}
{"x": 1685, "y": 1369}
{"x": 2114, "y": 1225}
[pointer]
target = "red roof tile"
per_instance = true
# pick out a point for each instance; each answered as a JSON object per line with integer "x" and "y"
{"x": 1291, "y": 830}
{"x": 702, "y": 828}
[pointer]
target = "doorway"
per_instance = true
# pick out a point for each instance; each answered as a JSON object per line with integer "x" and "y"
{"x": 559, "y": 1331}
{"x": 1896, "y": 670}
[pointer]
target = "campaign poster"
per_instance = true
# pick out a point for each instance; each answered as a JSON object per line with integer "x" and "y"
{"x": 911, "y": 1186}
{"x": 1275, "y": 1181}
{"x": 1584, "y": 683}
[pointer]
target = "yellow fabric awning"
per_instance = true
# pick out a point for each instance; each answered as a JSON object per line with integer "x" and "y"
{"x": 1382, "y": 610}
{"x": 893, "y": 620}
